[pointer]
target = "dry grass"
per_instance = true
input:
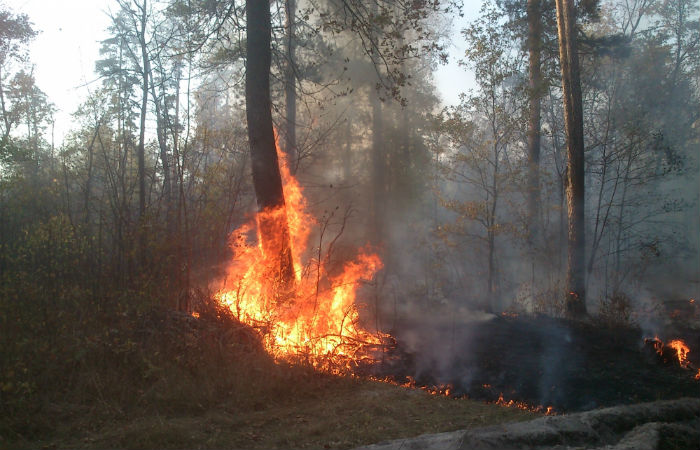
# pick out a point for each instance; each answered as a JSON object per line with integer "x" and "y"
{"x": 342, "y": 414}
{"x": 153, "y": 379}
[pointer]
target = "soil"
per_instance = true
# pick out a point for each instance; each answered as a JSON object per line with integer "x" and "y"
{"x": 570, "y": 366}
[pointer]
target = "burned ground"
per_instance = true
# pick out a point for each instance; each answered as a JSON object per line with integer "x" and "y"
{"x": 542, "y": 361}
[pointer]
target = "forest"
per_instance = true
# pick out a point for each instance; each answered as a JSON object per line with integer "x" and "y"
{"x": 267, "y": 210}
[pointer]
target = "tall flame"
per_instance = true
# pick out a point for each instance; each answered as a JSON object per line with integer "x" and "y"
{"x": 682, "y": 351}
{"x": 315, "y": 319}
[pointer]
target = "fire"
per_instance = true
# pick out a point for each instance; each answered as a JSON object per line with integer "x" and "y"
{"x": 674, "y": 351}
{"x": 547, "y": 411}
{"x": 682, "y": 351}
{"x": 444, "y": 390}
{"x": 315, "y": 318}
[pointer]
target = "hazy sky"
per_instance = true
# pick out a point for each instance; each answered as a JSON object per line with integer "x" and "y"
{"x": 65, "y": 51}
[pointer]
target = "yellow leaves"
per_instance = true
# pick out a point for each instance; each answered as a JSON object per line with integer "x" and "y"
{"x": 466, "y": 209}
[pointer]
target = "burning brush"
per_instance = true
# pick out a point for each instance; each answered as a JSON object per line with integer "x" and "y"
{"x": 314, "y": 317}
{"x": 675, "y": 352}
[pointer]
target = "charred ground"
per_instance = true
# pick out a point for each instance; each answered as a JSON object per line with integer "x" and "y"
{"x": 538, "y": 360}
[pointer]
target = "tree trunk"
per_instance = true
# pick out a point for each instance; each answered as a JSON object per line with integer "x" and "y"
{"x": 290, "y": 147}
{"x": 573, "y": 118}
{"x": 378, "y": 174}
{"x": 533, "y": 133}
{"x": 162, "y": 136}
{"x": 142, "y": 145}
{"x": 3, "y": 109}
{"x": 267, "y": 182}
{"x": 347, "y": 154}
{"x": 492, "y": 298}
{"x": 88, "y": 180}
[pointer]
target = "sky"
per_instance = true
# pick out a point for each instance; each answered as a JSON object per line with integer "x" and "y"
{"x": 65, "y": 51}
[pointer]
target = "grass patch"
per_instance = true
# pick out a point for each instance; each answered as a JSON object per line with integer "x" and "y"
{"x": 341, "y": 414}
{"x": 151, "y": 378}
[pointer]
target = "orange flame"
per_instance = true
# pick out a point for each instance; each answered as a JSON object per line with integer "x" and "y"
{"x": 678, "y": 346}
{"x": 315, "y": 319}
{"x": 445, "y": 390}
{"x": 547, "y": 411}
{"x": 682, "y": 351}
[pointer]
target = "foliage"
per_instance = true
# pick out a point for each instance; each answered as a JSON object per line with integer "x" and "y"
{"x": 105, "y": 351}
{"x": 616, "y": 310}
{"x": 641, "y": 174}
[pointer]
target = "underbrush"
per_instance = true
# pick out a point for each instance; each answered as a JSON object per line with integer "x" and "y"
{"x": 91, "y": 362}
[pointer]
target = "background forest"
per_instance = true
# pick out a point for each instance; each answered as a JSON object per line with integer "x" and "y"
{"x": 132, "y": 212}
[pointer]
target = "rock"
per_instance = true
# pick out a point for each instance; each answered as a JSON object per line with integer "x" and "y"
{"x": 671, "y": 424}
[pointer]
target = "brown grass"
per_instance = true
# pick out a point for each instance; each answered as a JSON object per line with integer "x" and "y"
{"x": 342, "y": 414}
{"x": 155, "y": 379}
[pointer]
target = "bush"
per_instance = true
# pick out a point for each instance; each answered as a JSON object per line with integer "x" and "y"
{"x": 616, "y": 309}
{"x": 112, "y": 359}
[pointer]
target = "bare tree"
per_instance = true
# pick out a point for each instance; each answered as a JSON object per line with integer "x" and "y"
{"x": 573, "y": 114}
{"x": 534, "y": 43}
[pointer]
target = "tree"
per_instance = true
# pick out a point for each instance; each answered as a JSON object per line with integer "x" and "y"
{"x": 639, "y": 164}
{"x": 376, "y": 26}
{"x": 483, "y": 129}
{"x": 535, "y": 85}
{"x": 573, "y": 115}
{"x": 267, "y": 182}
{"x": 15, "y": 33}
{"x": 290, "y": 146}
{"x": 141, "y": 150}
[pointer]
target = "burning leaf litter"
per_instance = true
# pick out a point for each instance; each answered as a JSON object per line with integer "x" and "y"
{"x": 447, "y": 390}
{"x": 547, "y": 411}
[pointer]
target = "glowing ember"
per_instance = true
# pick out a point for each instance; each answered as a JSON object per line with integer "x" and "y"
{"x": 316, "y": 319}
{"x": 547, "y": 411}
{"x": 446, "y": 390}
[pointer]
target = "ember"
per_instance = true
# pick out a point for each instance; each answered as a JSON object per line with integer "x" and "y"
{"x": 443, "y": 389}
{"x": 316, "y": 319}
{"x": 547, "y": 411}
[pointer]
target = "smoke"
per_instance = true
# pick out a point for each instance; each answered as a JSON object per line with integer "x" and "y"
{"x": 441, "y": 196}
